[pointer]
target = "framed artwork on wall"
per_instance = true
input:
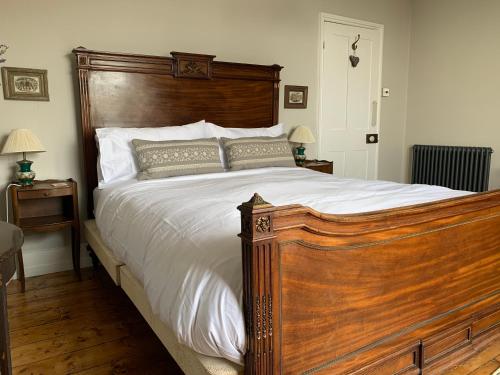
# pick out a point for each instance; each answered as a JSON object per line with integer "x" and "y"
{"x": 25, "y": 84}
{"x": 295, "y": 96}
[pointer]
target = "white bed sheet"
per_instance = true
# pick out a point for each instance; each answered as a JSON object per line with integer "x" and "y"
{"x": 179, "y": 238}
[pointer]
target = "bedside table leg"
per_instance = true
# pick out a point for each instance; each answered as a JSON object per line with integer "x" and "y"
{"x": 20, "y": 270}
{"x": 75, "y": 234}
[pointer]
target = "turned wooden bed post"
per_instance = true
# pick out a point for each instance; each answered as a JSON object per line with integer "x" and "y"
{"x": 260, "y": 287}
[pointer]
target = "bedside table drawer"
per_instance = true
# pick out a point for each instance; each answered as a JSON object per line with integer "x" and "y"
{"x": 44, "y": 193}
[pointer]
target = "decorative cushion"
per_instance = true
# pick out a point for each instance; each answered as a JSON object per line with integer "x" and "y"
{"x": 258, "y": 152}
{"x": 158, "y": 159}
{"x": 220, "y": 132}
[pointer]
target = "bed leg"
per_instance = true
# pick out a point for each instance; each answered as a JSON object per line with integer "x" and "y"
{"x": 260, "y": 287}
{"x": 95, "y": 259}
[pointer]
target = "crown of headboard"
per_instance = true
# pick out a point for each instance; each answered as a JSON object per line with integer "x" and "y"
{"x": 130, "y": 90}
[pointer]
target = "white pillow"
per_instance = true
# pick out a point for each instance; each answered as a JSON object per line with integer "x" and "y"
{"x": 220, "y": 132}
{"x": 116, "y": 161}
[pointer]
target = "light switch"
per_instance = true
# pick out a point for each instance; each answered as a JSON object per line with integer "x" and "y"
{"x": 386, "y": 91}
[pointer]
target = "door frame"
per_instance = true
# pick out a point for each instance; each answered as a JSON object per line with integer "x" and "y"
{"x": 333, "y": 18}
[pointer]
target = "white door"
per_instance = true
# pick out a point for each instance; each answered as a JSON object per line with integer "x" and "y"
{"x": 350, "y": 98}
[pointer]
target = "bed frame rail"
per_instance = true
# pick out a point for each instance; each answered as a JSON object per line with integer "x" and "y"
{"x": 403, "y": 291}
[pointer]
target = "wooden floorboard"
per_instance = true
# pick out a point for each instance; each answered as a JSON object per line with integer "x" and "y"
{"x": 90, "y": 327}
{"x": 65, "y": 326}
{"x": 484, "y": 362}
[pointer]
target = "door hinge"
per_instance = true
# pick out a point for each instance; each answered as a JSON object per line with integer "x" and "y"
{"x": 323, "y": 44}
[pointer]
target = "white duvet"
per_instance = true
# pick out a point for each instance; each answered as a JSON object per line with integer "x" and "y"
{"x": 179, "y": 238}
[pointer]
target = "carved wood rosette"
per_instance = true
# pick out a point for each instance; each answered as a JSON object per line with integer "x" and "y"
{"x": 192, "y": 65}
{"x": 260, "y": 287}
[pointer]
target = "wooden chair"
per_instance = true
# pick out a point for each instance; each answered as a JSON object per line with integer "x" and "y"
{"x": 11, "y": 241}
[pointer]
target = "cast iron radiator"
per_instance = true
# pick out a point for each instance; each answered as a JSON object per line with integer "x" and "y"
{"x": 460, "y": 168}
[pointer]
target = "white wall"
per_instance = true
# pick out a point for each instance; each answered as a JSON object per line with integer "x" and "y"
{"x": 454, "y": 79}
{"x": 41, "y": 34}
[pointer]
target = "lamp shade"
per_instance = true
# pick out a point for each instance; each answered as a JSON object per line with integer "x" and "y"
{"x": 22, "y": 140}
{"x": 302, "y": 134}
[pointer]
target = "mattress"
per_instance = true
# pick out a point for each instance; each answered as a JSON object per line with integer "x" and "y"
{"x": 178, "y": 237}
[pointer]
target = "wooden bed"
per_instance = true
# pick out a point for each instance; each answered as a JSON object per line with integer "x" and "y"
{"x": 409, "y": 290}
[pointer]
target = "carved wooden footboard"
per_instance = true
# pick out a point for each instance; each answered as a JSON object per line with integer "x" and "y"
{"x": 403, "y": 291}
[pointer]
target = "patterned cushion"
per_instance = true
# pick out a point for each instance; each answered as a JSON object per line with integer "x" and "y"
{"x": 258, "y": 152}
{"x": 158, "y": 159}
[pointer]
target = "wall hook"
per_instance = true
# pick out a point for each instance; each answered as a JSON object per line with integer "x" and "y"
{"x": 355, "y": 44}
{"x": 353, "y": 58}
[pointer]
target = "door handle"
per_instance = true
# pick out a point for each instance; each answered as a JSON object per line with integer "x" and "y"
{"x": 374, "y": 113}
{"x": 371, "y": 138}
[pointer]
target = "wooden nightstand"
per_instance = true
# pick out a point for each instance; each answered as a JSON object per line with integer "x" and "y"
{"x": 324, "y": 166}
{"x": 48, "y": 206}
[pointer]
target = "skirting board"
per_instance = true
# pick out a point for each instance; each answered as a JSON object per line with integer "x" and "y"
{"x": 50, "y": 260}
{"x": 191, "y": 362}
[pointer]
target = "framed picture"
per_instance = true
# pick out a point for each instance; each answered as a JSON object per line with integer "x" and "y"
{"x": 295, "y": 96}
{"x": 25, "y": 84}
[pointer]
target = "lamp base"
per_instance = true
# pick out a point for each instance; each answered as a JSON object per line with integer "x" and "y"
{"x": 25, "y": 175}
{"x": 300, "y": 156}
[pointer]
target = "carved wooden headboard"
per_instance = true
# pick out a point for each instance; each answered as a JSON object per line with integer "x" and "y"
{"x": 125, "y": 90}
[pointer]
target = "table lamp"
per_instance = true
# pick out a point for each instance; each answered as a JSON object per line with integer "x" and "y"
{"x": 23, "y": 140}
{"x": 302, "y": 135}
